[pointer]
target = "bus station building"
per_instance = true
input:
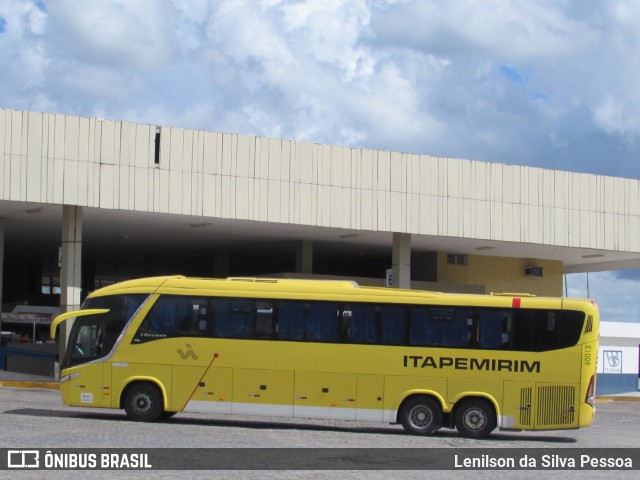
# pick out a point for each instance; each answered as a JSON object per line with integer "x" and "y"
{"x": 86, "y": 202}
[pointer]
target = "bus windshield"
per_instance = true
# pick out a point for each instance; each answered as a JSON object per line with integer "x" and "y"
{"x": 93, "y": 336}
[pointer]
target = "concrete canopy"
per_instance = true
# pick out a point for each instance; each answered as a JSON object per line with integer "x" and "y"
{"x": 188, "y": 193}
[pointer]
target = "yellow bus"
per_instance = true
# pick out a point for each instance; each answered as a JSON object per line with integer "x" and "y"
{"x": 333, "y": 350}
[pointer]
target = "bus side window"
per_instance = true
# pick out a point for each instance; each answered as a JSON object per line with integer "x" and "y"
{"x": 322, "y": 322}
{"x": 569, "y": 327}
{"x": 203, "y": 324}
{"x": 522, "y": 330}
{"x": 456, "y": 330}
{"x": 363, "y": 326}
{"x": 291, "y": 320}
{"x": 392, "y": 324}
{"x": 543, "y": 336}
{"x": 234, "y": 318}
{"x": 551, "y": 321}
{"x": 423, "y": 330}
{"x": 494, "y": 328}
{"x": 222, "y": 318}
{"x": 556, "y": 329}
{"x": 264, "y": 320}
{"x": 192, "y": 315}
{"x": 161, "y": 321}
{"x": 345, "y": 315}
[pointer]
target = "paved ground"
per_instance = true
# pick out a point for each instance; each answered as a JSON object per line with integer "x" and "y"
{"x": 36, "y": 418}
{"x": 23, "y": 377}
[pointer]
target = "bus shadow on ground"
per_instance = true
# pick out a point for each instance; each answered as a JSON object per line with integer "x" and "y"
{"x": 514, "y": 437}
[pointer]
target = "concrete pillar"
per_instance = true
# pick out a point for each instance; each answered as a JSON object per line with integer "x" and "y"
{"x": 1, "y": 258}
{"x": 304, "y": 257}
{"x": 71, "y": 271}
{"x": 401, "y": 260}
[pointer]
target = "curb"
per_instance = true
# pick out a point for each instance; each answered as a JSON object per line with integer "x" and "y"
{"x": 44, "y": 385}
{"x": 618, "y": 398}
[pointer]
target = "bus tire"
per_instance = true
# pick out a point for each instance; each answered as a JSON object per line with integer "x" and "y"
{"x": 143, "y": 402}
{"x": 421, "y": 415}
{"x": 475, "y": 418}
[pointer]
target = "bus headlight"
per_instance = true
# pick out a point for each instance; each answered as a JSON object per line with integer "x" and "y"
{"x": 66, "y": 378}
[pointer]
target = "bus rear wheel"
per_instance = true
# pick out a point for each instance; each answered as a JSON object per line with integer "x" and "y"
{"x": 475, "y": 418}
{"x": 143, "y": 402}
{"x": 421, "y": 415}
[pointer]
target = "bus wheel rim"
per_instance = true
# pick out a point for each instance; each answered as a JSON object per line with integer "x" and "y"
{"x": 141, "y": 403}
{"x": 475, "y": 419}
{"x": 420, "y": 416}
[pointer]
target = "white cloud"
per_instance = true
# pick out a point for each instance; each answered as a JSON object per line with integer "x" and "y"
{"x": 22, "y": 48}
{"x": 545, "y": 83}
{"x": 196, "y": 11}
{"x": 542, "y": 83}
{"x": 510, "y": 31}
{"x": 617, "y": 116}
{"x": 616, "y": 297}
{"x": 132, "y": 35}
{"x": 331, "y": 31}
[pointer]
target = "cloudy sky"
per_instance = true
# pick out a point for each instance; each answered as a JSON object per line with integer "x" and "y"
{"x": 547, "y": 83}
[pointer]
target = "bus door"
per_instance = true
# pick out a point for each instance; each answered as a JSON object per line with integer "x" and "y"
{"x": 86, "y": 387}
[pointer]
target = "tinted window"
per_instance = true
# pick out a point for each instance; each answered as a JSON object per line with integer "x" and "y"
{"x": 392, "y": 324}
{"x": 175, "y": 316}
{"x": 264, "y": 319}
{"x": 291, "y": 320}
{"x": 438, "y": 326}
{"x": 422, "y": 331}
{"x": 456, "y": 327}
{"x": 234, "y": 318}
{"x": 361, "y": 323}
{"x": 322, "y": 322}
{"x": 494, "y": 328}
{"x": 553, "y": 329}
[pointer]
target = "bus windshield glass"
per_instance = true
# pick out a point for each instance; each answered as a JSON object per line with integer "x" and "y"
{"x": 93, "y": 336}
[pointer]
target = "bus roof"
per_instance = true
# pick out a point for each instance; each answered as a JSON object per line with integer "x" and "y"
{"x": 338, "y": 290}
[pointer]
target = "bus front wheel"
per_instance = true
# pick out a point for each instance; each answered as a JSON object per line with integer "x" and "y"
{"x": 421, "y": 415}
{"x": 475, "y": 418}
{"x": 143, "y": 402}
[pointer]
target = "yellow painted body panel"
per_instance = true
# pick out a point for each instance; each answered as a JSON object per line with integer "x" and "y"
{"x": 370, "y": 396}
{"x": 263, "y": 387}
{"x": 339, "y": 380}
{"x": 185, "y": 383}
{"x": 326, "y": 391}
{"x": 86, "y": 388}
